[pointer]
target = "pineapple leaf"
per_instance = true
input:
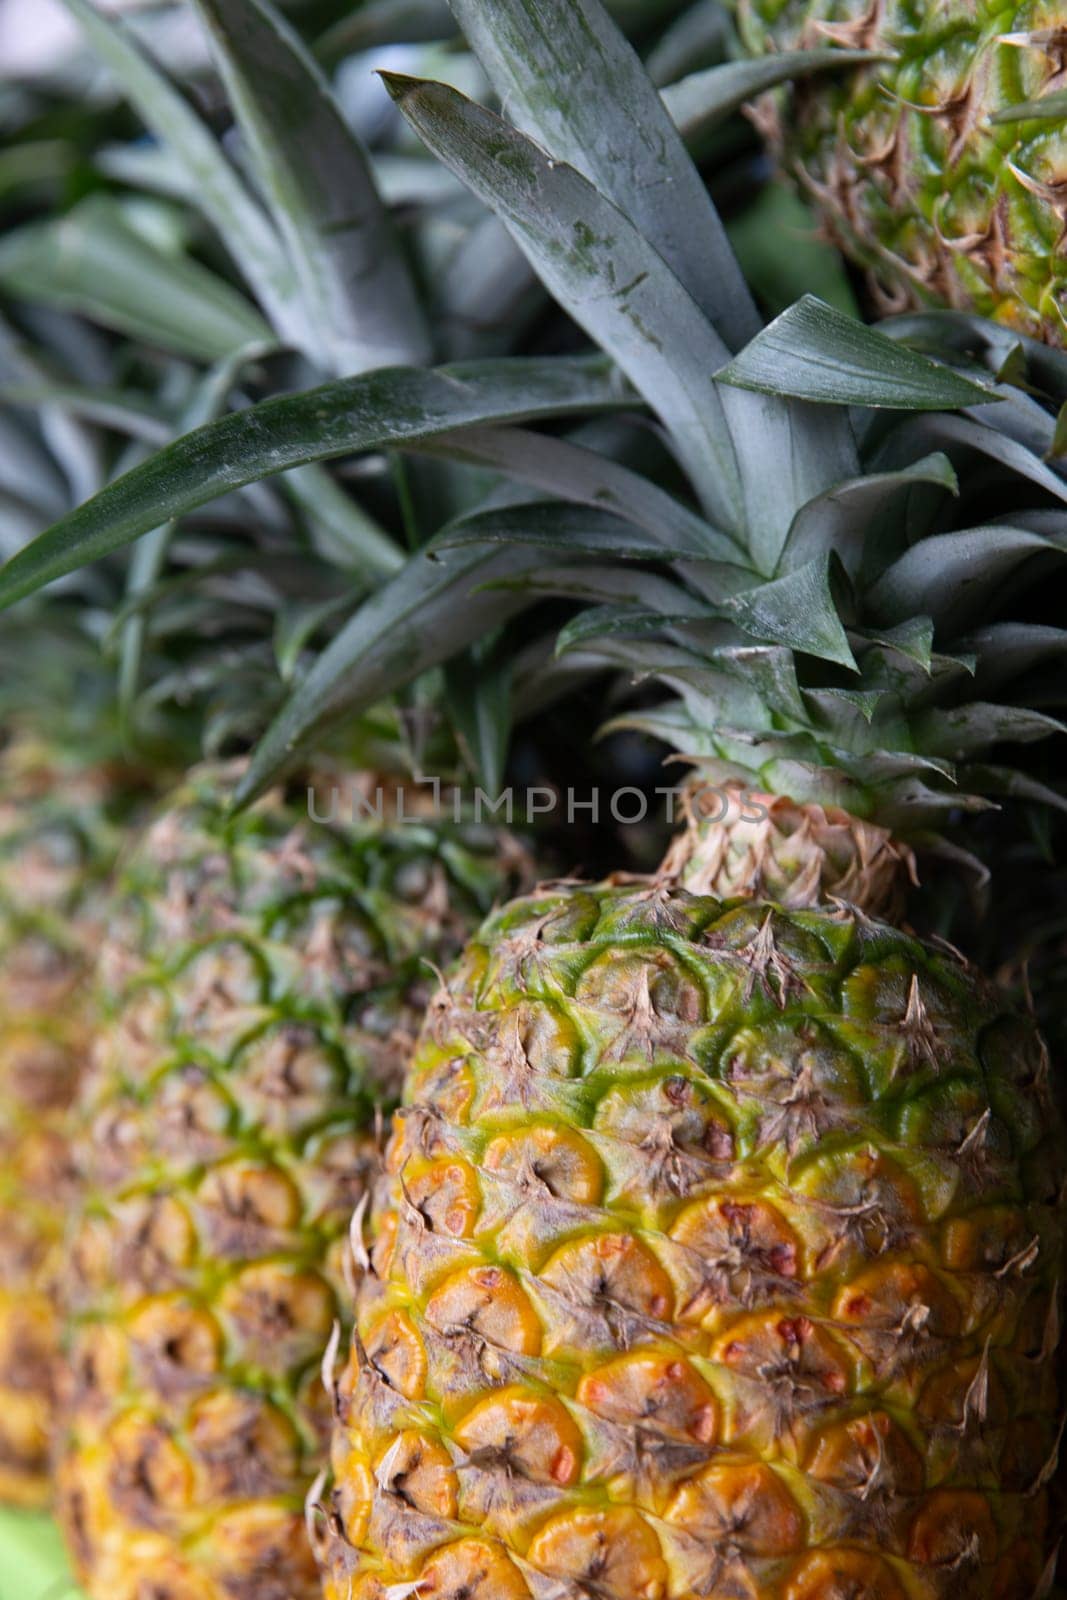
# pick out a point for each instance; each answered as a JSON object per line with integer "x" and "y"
{"x": 568, "y": 76}
{"x": 601, "y": 622}
{"x": 814, "y": 352}
{"x": 701, "y": 34}
{"x": 601, "y": 585}
{"x": 485, "y": 289}
{"x": 950, "y": 576}
{"x": 612, "y": 280}
{"x": 879, "y": 506}
{"x": 316, "y": 177}
{"x": 560, "y": 468}
{"x": 296, "y": 624}
{"x": 147, "y": 562}
{"x": 222, "y": 197}
{"x": 966, "y": 730}
{"x": 797, "y": 610}
{"x": 840, "y": 707}
{"x": 152, "y": 168}
{"x": 384, "y": 22}
{"x": 969, "y": 337}
{"x": 431, "y": 610}
{"x": 580, "y": 530}
{"x": 91, "y": 261}
{"x": 29, "y": 474}
{"x": 1017, "y": 785}
{"x": 703, "y": 100}
{"x": 965, "y": 433}
{"x": 1005, "y": 650}
{"x": 478, "y": 689}
{"x": 77, "y": 449}
{"x": 380, "y": 410}
{"x": 123, "y": 410}
{"x": 770, "y": 671}
{"x": 1058, "y": 447}
{"x": 913, "y": 639}
{"x": 592, "y": 258}
{"x": 340, "y": 528}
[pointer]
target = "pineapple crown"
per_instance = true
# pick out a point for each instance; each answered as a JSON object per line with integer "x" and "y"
{"x": 271, "y": 572}
{"x": 831, "y": 564}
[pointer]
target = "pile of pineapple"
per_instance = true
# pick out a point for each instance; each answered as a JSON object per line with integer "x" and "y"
{"x": 422, "y": 1176}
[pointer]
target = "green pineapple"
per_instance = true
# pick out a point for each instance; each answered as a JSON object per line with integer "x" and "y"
{"x": 938, "y": 168}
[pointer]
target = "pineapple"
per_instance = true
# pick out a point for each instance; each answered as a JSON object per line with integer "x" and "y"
{"x": 720, "y": 1256}
{"x": 718, "y": 1248}
{"x": 720, "y": 1244}
{"x": 262, "y": 978}
{"x": 58, "y": 837}
{"x": 940, "y": 167}
{"x": 69, "y": 788}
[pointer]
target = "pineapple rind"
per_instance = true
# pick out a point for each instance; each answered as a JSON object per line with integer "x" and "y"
{"x": 57, "y": 844}
{"x": 718, "y": 1255}
{"x": 262, "y": 978}
{"x": 917, "y": 184}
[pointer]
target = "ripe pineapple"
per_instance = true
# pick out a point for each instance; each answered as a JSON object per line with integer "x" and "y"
{"x": 923, "y": 165}
{"x": 721, "y": 1242}
{"x": 721, "y": 1257}
{"x": 262, "y": 980}
{"x": 58, "y": 838}
{"x": 68, "y": 790}
{"x": 719, "y": 1247}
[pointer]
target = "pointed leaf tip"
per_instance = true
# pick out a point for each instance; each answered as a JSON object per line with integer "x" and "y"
{"x": 398, "y": 84}
{"x": 815, "y": 352}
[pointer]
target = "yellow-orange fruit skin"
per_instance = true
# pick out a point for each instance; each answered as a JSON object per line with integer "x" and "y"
{"x": 718, "y": 1255}
{"x": 262, "y": 984}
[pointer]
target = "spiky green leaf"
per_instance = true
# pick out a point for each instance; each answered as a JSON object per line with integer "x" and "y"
{"x": 599, "y": 267}
{"x": 384, "y": 22}
{"x": 964, "y": 731}
{"x": 220, "y": 194}
{"x": 1006, "y": 650}
{"x": 797, "y": 610}
{"x": 580, "y": 530}
{"x": 568, "y": 76}
{"x": 478, "y": 689}
{"x": 814, "y": 352}
{"x": 950, "y": 576}
{"x": 867, "y": 518}
{"x": 429, "y": 612}
{"x": 703, "y": 100}
{"x": 560, "y": 468}
{"x": 392, "y": 407}
{"x": 91, "y": 261}
{"x": 317, "y": 179}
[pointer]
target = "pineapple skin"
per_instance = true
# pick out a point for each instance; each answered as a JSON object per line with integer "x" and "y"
{"x": 914, "y": 182}
{"x": 262, "y": 982}
{"x": 59, "y": 833}
{"x": 718, "y": 1255}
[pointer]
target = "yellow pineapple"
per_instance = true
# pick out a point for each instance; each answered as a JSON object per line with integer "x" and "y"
{"x": 721, "y": 1242}
{"x": 262, "y": 980}
{"x": 67, "y": 793}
